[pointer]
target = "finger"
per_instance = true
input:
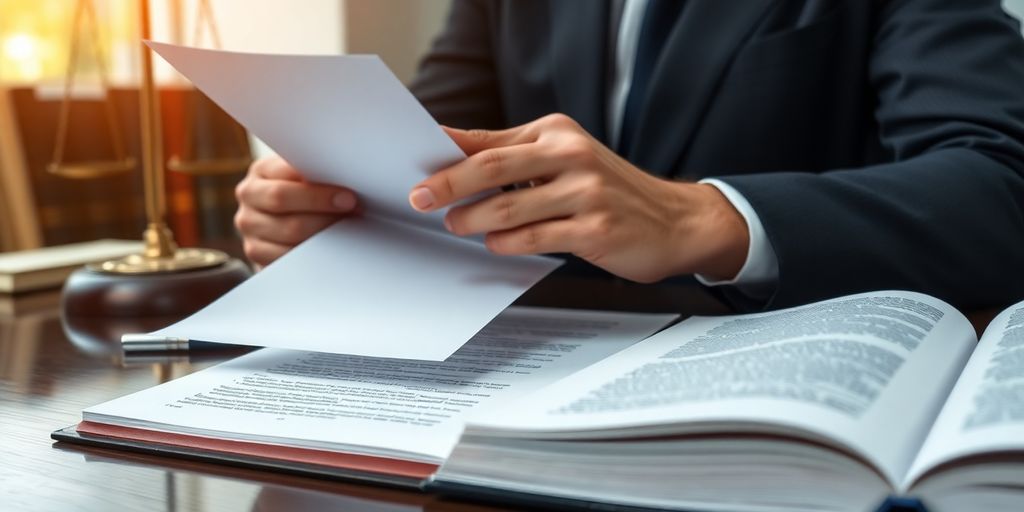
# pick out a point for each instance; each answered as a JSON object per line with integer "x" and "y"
{"x": 288, "y": 229}
{"x": 512, "y": 209}
{"x": 283, "y": 196}
{"x": 485, "y": 170}
{"x": 262, "y": 252}
{"x": 538, "y": 238}
{"x": 474, "y": 141}
{"x": 275, "y": 167}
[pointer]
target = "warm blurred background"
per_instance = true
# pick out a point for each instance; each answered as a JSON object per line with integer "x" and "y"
{"x": 42, "y": 206}
{"x": 69, "y": 135}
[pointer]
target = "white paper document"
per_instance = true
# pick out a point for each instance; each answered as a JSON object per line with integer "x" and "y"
{"x": 371, "y": 288}
{"x": 398, "y": 408}
{"x": 339, "y": 119}
{"x": 391, "y": 283}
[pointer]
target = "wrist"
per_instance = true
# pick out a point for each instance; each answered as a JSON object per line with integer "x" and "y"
{"x": 714, "y": 238}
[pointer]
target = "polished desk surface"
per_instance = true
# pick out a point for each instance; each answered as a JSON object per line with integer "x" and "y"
{"x": 52, "y": 367}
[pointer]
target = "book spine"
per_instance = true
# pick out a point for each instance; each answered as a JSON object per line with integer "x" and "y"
{"x": 181, "y": 202}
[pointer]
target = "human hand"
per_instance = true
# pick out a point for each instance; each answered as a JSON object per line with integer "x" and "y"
{"x": 587, "y": 201}
{"x": 278, "y": 209}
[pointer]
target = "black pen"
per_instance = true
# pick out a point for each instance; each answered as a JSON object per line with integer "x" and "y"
{"x": 135, "y": 343}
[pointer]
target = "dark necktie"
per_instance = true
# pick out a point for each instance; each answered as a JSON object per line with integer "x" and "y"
{"x": 659, "y": 18}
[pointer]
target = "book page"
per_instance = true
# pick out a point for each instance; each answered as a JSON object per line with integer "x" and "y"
{"x": 985, "y": 411}
{"x": 389, "y": 407}
{"x": 866, "y": 372}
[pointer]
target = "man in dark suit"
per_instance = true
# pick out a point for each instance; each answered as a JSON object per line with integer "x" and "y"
{"x": 853, "y": 144}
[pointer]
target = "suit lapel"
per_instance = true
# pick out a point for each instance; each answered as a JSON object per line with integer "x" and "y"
{"x": 579, "y": 61}
{"x": 687, "y": 74}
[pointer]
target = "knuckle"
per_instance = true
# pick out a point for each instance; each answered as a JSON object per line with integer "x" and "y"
{"x": 258, "y": 166}
{"x": 577, "y": 149}
{"x": 478, "y": 135}
{"x": 526, "y": 240}
{"x": 493, "y": 163}
{"x": 447, "y": 188}
{"x": 506, "y": 209}
{"x": 290, "y": 229}
{"x": 242, "y": 222}
{"x": 559, "y": 120}
{"x": 533, "y": 131}
{"x": 265, "y": 166}
{"x": 601, "y": 227}
{"x": 251, "y": 250}
{"x": 242, "y": 190}
{"x": 591, "y": 192}
{"x": 276, "y": 197}
{"x": 531, "y": 239}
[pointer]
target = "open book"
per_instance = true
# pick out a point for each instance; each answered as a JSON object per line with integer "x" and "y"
{"x": 830, "y": 406}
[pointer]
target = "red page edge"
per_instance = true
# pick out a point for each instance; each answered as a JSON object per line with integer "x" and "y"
{"x": 349, "y": 461}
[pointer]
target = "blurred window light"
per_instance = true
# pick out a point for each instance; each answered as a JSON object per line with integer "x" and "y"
{"x": 21, "y": 47}
{"x": 22, "y": 52}
{"x": 35, "y": 41}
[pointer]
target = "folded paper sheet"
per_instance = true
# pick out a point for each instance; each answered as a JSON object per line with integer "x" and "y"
{"x": 391, "y": 283}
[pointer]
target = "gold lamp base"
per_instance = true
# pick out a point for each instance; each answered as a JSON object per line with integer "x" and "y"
{"x": 162, "y": 281}
{"x": 161, "y": 256}
{"x": 182, "y": 260}
{"x": 96, "y": 293}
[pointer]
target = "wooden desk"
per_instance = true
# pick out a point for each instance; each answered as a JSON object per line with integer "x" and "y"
{"x": 50, "y": 370}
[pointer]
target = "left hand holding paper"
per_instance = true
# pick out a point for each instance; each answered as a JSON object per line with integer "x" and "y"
{"x": 279, "y": 209}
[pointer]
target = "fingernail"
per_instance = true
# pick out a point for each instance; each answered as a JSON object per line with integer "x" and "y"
{"x": 344, "y": 201}
{"x": 421, "y": 198}
{"x": 448, "y": 224}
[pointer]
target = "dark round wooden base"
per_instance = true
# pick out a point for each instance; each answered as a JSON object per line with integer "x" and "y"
{"x": 91, "y": 293}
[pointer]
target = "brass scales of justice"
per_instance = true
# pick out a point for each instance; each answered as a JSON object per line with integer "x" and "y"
{"x": 164, "y": 280}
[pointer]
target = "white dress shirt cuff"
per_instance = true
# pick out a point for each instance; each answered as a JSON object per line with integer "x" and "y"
{"x": 759, "y": 276}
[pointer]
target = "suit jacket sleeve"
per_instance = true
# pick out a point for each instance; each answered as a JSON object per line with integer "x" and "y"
{"x": 946, "y": 216}
{"x": 457, "y": 81}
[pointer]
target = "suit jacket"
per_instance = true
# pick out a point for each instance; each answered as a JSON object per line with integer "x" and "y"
{"x": 880, "y": 142}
